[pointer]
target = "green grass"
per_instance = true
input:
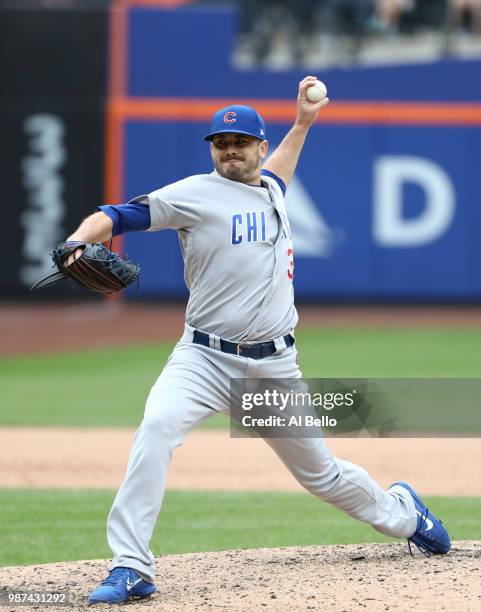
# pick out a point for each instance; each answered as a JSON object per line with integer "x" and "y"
{"x": 109, "y": 387}
{"x": 40, "y": 526}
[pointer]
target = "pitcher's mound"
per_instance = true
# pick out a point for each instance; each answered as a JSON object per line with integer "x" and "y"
{"x": 372, "y": 576}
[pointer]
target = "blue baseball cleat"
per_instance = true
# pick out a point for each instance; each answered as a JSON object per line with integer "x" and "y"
{"x": 430, "y": 536}
{"x": 121, "y": 584}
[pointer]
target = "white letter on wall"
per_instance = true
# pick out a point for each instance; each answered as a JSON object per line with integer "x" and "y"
{"x": 390, "y": 229}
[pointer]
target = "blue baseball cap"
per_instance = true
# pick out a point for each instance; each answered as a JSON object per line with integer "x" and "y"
{"x": 237, "y": 119}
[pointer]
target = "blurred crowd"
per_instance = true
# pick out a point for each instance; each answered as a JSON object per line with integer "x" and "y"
{"x": 303, "y": 24}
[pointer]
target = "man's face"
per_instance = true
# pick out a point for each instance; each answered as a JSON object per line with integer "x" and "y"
{"x": 238, "y": 157}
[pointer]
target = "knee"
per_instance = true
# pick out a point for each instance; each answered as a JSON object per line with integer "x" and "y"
{"x": 321, "y": 477}
{"x": 322, "y": 484}
{"x": 162, "y": 424}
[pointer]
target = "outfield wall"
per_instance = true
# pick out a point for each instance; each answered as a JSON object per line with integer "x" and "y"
{"x": 385, "y": 203}
{"x": 53, "y": 71}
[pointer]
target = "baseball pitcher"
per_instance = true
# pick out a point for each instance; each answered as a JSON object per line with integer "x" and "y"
{"x": 236, "y": 243}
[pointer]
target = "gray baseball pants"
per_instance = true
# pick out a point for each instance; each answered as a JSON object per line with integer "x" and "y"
{"x": 194, "y": 385}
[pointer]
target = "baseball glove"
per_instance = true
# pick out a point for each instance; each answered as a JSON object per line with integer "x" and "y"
{"x": 97, "y": 269}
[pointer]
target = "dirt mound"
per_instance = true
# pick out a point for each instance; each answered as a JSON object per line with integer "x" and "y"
{"x": 372, "y": 576}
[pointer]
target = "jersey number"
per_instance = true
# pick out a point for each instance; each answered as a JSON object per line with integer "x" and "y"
{"x": 290, "y": 271}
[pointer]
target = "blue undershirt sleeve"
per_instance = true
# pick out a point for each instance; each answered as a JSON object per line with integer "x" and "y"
{"x": 278, "y": 180}
{"x": 128, "y": 217}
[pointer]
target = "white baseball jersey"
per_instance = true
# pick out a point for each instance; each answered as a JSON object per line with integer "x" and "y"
{"x": 237, "y": 249}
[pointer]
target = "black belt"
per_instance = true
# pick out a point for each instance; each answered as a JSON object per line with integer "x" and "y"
{"x": 254, "y": 351}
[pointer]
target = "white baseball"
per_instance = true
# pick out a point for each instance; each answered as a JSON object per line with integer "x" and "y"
{"x": 316, "y": 92}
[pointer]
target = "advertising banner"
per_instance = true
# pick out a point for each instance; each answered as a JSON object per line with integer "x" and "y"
{"x": 53, "y": 71}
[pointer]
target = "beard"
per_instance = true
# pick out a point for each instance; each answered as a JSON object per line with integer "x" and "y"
{"x": 242, "y": 170}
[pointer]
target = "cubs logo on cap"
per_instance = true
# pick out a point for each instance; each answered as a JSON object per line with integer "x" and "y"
{"x": 230, "y": 117}
{"x": 237, "y": 119}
